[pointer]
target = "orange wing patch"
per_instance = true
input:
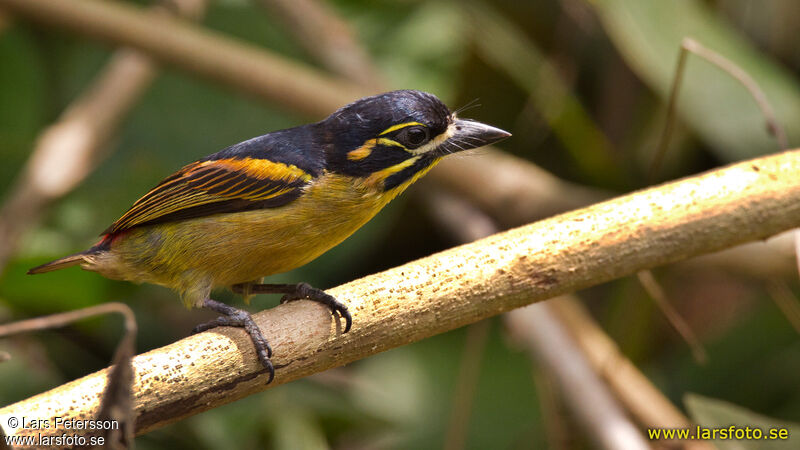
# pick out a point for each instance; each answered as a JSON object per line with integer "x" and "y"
{"x": 217, "y": 186}
{"x": 261, "y": 168}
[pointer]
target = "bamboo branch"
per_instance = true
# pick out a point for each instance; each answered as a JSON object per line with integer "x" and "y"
{"x": 722, "y": 208}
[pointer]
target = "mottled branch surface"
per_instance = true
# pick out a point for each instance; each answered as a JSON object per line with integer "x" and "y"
{"x": 722, "y": 208}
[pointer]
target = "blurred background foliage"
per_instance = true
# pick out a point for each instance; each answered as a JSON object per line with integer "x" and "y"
{"x": 581, "y": 85}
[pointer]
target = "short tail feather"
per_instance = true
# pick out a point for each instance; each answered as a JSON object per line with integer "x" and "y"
{"x": 61, "y": 263}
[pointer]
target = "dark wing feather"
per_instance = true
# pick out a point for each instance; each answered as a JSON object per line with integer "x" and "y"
{"x": 216, "y": 186}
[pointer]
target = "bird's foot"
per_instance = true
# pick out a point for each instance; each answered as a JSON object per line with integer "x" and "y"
{"x": 234, "y": 317}
{"x": 297, "y": 292}
{"x": 304, "y": 290}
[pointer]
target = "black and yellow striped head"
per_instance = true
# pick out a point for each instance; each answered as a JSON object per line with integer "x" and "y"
{"x": 392, "y": 137}
{"x": 382, "y": 142}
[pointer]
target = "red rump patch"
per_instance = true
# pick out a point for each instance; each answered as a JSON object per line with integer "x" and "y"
{"x": 108, "y": 240}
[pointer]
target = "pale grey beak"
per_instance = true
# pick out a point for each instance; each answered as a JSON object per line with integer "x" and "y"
{"x": 471, "y": 134}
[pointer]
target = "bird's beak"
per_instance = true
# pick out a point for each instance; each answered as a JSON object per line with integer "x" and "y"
{"x": 469, "y": 134}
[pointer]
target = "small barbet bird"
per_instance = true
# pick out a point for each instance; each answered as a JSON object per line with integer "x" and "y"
{"x": 276, "y": 202}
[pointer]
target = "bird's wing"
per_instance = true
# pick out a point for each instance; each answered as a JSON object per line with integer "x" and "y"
{"x": 216, "y": 186}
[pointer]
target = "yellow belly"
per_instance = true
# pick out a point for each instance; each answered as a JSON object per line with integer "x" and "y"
{"x": 192, "y": 256}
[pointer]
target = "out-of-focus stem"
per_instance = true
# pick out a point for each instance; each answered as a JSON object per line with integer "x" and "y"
{"x": 212, "y": 55}
{"x": 328, "y": 38}
{"x": 69, "y": 150}
{"x": 598, "y": 412}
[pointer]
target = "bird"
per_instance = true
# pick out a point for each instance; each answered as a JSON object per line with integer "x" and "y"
{"x": 276, "y": 202}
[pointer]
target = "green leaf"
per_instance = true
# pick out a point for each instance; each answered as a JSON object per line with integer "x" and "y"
{"x": 717, "y": 414}
{"x": 648, "y": 34}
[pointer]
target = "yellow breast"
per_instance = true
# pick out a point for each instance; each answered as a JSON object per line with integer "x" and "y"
{"x": 226, "y": 249}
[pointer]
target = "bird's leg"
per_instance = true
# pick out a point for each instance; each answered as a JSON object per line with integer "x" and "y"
{"x": 296, "y": 292}
{"x": 234, "y": 317}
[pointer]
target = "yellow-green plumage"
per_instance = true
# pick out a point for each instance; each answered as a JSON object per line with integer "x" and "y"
{"x": 193, "y": 256}
{"x": 276, "y": 202}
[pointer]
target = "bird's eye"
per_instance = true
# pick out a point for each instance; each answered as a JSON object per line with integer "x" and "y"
{"x": 413, "y": 137}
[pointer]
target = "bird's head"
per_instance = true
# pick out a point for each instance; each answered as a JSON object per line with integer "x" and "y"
{"x": 392, "y": 138}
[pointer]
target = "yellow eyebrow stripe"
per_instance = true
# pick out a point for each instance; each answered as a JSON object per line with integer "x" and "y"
{"x": 399, "y": 126}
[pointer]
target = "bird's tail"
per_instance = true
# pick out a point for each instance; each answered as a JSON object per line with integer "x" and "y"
{"x": 61, "y": 263}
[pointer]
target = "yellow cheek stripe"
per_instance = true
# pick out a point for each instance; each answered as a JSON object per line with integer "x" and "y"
{"x": 378, "y": 177}
{"x": 402, "y": 187}
{"x": 399, "y": 126}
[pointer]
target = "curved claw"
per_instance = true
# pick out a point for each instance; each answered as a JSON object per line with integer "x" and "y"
{"x": 263, "y": 356}
{"x": 343, "y": 312}
{"x": 306, "y": 291}
{"x": 238, "y": 318}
